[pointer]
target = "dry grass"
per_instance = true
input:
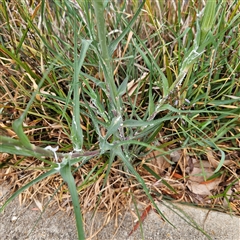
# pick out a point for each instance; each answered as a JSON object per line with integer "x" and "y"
{"x": 29, "y": 46}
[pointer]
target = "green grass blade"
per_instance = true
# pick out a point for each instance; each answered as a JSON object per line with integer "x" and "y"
{"x": 76, "y": 131}
{"x": 104, "y": 56}
{"x": 113, "y": 45}
{"x": 208, "y": 18}
{"x": 65, "y": 171}
{"x": 128, "y": 164}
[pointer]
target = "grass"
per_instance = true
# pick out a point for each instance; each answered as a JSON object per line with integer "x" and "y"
{"x": 136, "y": 97}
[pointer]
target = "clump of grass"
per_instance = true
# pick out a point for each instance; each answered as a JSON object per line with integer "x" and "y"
{"x": 97, "y": 92}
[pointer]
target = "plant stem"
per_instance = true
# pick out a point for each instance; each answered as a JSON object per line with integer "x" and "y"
{"x": 106, "y": 65}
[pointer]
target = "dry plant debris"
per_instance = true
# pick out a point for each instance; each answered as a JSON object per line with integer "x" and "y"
{"x": 182, "y": 173}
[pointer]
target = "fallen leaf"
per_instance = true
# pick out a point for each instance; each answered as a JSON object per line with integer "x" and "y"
{"x": 177, "y": 175}
{"x": 202, "y": 189}
{"x": 197, "y": 178}
{"x": 159, "y": 163}
{"x": 140, "y": 221}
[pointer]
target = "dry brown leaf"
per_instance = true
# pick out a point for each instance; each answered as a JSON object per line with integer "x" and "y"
{"x": 197, "y": 178}
{"x": 159, "y": 162}
{"x": 143, "y": 216}
{"x": 202, "y": 189}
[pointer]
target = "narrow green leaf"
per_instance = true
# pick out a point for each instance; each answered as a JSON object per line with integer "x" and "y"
{"x": 151, "y": 105}
{"x": 76, "y": 130}
{"x": 114, "y": 126}
{"x": 143, "y": 54}
{"x": 18, "y": 128}
{"x": 162, "y": 77}
{"x": 123, "y": 87}
{"x": 208, "y": 18}
{"x": 65, "y": 171}
{"x": 128, "y": 164}
{"x": 114, "y": 44}
{"x": 19, "y": 150}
